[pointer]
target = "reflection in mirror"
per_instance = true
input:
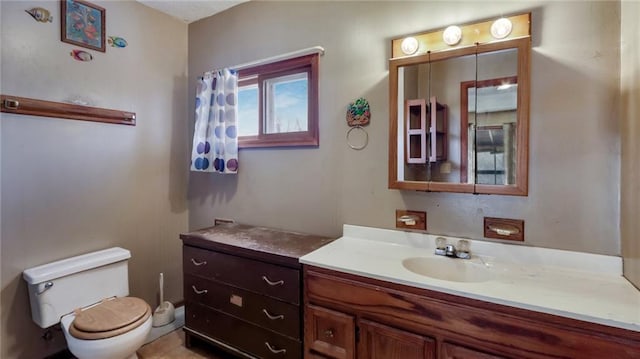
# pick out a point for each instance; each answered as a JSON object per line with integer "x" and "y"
{"x": 492, "y": 128}
{"x": 432, "y": 139}
{"x": 492, "y": 119}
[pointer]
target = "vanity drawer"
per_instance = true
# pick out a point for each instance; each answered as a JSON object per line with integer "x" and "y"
{"x": 332, "y": 333}
{"x": 240, "y": 334}
{"x": 260, "y": 277}
{"x": 264, "y": 311}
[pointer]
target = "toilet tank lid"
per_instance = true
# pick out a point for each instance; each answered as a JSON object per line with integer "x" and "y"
{"x": 75, "y": 264}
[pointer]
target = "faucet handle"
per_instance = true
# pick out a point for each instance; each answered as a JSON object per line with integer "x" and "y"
{"x": 463, "y": 249}
{"x": 463, "y": 245}
{"x": 441, "y": 244}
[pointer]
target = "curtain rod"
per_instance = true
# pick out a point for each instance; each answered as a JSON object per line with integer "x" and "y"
{"x": 288, "y": 55}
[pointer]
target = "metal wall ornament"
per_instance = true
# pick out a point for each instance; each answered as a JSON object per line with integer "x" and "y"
{"x": 81, "y": 55}
{"x": 40, "y": 14}
{"x": 358, "y": 115}
{"x": 116, "y": 41}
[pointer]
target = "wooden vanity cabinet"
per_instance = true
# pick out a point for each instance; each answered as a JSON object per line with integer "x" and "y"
{"x": 453, "y": 351}
{"x": 330, "y": 332}
{"x": 348, "y": 316}
{"x": 378, "y": 341}
{"x": 243, "y": 289}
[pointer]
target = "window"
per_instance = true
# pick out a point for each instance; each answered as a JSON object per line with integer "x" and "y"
{"x": 278, "y": 104}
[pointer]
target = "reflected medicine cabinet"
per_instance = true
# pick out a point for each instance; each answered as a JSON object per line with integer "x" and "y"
{"x": 459, "y": 114}
{"x": 426, "y": 131}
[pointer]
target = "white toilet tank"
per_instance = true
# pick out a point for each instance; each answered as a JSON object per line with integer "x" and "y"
{"x": 57, "y": 288}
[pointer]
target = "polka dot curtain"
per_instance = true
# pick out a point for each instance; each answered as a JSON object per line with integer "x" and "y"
{"x": 215, "y": 137}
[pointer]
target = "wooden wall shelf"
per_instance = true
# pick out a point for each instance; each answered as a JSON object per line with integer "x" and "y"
{"x": 28, "y": 106}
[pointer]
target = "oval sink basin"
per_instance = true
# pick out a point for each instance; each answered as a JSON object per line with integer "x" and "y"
{"x": 443, "y": 268}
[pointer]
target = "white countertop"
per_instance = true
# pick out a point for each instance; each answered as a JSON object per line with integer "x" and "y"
{"x": 577, "y": 285}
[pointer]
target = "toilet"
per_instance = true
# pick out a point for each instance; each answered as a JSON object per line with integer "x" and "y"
{"x": 88, "y": 296}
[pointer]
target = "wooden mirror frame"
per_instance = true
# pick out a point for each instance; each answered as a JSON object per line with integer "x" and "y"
{"x": 520, "y": 188}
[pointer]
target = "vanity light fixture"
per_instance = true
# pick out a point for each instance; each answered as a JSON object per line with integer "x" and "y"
{"x": 501, "y": 28}
{"x": 452, "y": 35}
{"x": 409, "y": 45}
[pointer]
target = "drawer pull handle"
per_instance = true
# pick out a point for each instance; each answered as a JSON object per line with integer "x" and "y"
{"x": 280, "y": 282}
{"x": 274, "y": 350}
{"x": 197, "y": 264}
{"x": 271, "y": 316}
{"x": 204, "y": 291}
{"x": 328, "y": 333}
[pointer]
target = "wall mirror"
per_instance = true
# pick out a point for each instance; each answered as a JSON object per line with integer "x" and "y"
{"x": 459, "y": 114}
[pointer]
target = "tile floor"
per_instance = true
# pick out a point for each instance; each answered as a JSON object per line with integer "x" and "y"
{"x": 167, "y": 342}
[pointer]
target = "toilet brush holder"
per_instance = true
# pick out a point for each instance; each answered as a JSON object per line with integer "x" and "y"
{"x": 165, "y": 313}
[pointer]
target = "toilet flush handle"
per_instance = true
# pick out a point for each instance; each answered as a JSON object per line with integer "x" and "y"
{"x": 47, "y": 286}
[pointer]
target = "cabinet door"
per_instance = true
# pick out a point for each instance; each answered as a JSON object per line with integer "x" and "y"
{"x": 438, "y": 128}
{"x": 416, "y": 131}
{"x": 378, "y": 341}
{"x": 329, "y": 333}
{"x": 453, "y": 351}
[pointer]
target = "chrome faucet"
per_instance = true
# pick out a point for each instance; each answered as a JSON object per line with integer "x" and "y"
{"x": 461, "y": 250}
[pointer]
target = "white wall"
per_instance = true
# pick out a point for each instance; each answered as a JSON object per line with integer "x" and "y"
{"x": 70, "y": 187}
{"x": 573, "y": 200}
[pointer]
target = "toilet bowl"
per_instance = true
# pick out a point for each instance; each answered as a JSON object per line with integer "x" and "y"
{"x": 89, "y": 296}
{"x": 112, "y": 329}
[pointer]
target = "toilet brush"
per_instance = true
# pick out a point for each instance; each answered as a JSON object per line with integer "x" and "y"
{"x": 165, "y": 313}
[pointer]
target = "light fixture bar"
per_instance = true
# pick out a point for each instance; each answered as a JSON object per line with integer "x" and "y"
{"x": 433, "y": 41}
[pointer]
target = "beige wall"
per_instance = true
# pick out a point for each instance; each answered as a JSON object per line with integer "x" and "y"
{"x": 575, "y": 138}
{"x": 630, "y": 95}
{"x": 70, "y": 187}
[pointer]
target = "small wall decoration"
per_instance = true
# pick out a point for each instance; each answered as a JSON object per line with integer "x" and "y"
{"x": 81, "y": 55}
{"x": 115, "y": 41}
{"x": 358, "y": 115}
{"x": 40, "y": 14}
{"x": 83, "y": 24}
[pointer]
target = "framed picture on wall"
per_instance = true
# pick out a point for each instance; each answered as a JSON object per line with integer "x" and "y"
{"x": 83, "y": 24}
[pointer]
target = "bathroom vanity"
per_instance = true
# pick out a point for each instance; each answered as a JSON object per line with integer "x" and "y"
{"x": 365, "y": 297}
{"x": 243, "y": 288}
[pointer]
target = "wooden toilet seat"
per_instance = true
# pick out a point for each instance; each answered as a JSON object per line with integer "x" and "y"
{"x": 110, "y": 318}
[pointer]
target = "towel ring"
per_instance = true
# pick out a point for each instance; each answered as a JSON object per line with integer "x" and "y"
{"x": 366, "y": 138}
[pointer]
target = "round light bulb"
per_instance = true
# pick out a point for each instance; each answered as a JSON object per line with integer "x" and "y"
{"x": 409, "y": 45}
{"x": 452, "y": 35}
{"x": 501, "y": 28}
